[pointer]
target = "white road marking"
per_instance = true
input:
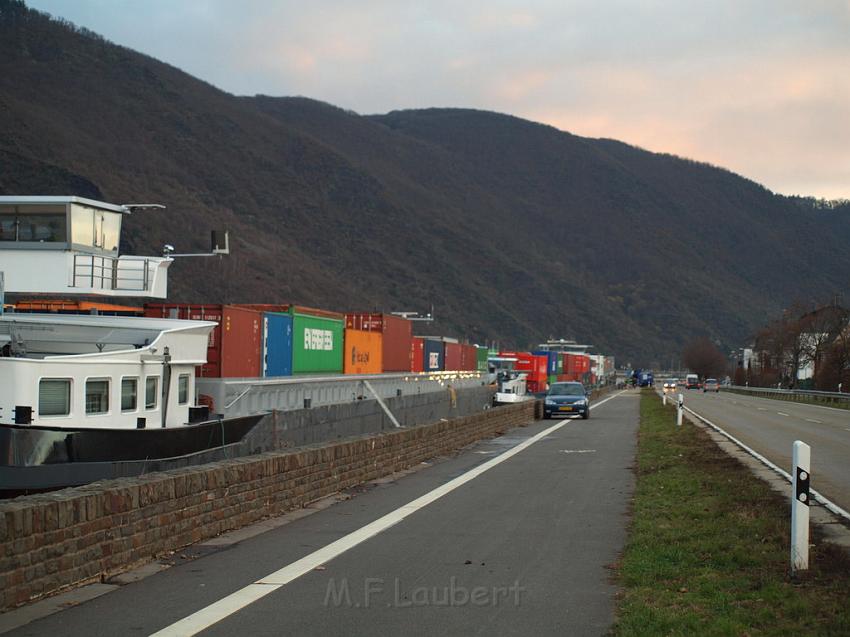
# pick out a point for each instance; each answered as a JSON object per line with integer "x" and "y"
{"x": 781, "y": 413}
{"x": 762, "y": 408}
{"x": 578, "y": 450}
{"x": 820, "y": 422}
{"x": 215, "y": 612}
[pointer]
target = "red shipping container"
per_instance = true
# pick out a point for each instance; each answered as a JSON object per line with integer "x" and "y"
{"x": 452, "y": 353}
{"x": 234, "y": 349}
{"x": 397, "y": 334}
{"x": 468, "y": 358}
{"x": 417, "y": 354}
{"x": 536, "y": 368}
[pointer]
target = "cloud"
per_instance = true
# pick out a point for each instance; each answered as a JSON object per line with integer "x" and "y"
{"x": 759, "y": 87}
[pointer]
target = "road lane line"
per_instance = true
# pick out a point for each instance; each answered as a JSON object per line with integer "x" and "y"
{"x": 782, "y": 414}
{"x": 217, "y": 611}
{"x": 762, "y": 408}
{"x": 820, "y": 422}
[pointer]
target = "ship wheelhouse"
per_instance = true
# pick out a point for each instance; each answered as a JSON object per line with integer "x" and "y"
{"x": 69, "y": 245}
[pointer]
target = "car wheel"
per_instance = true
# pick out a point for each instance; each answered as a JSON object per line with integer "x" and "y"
{"x": 585, "y": 415}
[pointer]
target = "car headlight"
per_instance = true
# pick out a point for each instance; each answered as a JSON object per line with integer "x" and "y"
{"x": 550, "y": 402}
{"x": 582, "y": 401}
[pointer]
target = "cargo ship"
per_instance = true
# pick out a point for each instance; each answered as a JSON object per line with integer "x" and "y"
{"x": 98, "y": 389}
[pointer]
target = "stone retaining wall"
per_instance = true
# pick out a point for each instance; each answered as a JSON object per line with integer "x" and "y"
{"x": 55, "y": 540}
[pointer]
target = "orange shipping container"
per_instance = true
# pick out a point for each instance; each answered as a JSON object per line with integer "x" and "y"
{"x": 362, "y": 352}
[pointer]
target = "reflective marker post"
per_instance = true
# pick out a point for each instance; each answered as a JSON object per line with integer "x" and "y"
{"x": 664, "y": 398}
{"x": 680, "y": 409}
{"x": 800, "y": 474}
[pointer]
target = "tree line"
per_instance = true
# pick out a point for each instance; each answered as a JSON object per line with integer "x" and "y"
{"x": 813, "y": 341}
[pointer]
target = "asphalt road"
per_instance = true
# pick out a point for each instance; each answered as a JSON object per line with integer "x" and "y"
{"x": 771, "y": 427}
{"x": 523, "y": 548}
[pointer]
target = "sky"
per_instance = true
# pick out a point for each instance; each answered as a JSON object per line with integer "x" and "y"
{"x": 761, "y": 87}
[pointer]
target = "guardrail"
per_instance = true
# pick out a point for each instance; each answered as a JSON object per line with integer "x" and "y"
{"x": 235, "y": 397}
{"x": 795, "y": 395}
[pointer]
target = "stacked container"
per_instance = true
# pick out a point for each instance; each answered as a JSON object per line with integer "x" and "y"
{"x": 396, "y": 337}
{"x": 277, "y": 344}
{"x": 468, "y": 358}
{"x": 234, "y": 348}
{"x": 432, "y": 354}
{"x": 363, "y": 352}
{"x": 417, "y": 354}
{"x": 535, "y": 367}
{"x": 482, "y": 353}
{"x": 317, "y": 337}
{"x": 317, "y": 341}
{"x": 452, "y": 356}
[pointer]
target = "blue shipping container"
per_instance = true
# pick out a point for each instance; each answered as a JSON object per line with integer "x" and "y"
{"x": 552, "y": 365}
{"x": 277, "y": 344}
{"x": 433, "y": 353}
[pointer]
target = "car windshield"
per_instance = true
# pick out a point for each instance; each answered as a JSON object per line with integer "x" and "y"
{"x": 566, "y": 389}
{"x": 711, "y": 380}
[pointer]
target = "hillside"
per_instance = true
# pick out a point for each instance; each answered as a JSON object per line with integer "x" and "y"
{"x": 514, "y": 231}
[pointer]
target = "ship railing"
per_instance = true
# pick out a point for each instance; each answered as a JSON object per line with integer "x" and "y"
{"x": 100, "y": 272}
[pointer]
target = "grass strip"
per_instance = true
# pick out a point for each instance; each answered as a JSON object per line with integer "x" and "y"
{"x": 709, "y": 548}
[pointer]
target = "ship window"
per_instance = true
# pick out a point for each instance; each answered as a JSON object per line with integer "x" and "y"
{"x": 151, "y": 385}
{"x": 97, "y": 396}
{"x": 129, "y": 394}
{"x": 183, "y": 389}
{"x": 33, "y": 223}
{"x": 54, "y": 397}
{"x": 82, "y": 225}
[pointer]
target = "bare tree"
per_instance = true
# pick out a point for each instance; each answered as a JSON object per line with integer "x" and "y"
{"x": 702, "y": 357}
{"x": 820, "y": 328}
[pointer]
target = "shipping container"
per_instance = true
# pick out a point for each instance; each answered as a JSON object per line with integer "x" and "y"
{"x": 553, "y": 378}
{"x": 452, "y": 357}
{"x": 432, "y": 355}
{"x": 482, "y": 353}
{"x": 468, "y": 358}
{"x": 417, "y": 354}
{"x": 235, "y": 344}
{"x": 396, "y": 333}
{"x": 277, "y": 344}
{"x": 363, "y": 351}
{"x": 317, "y": 344}
{"x": 535, "y": 368}
{"x": 552, "y": 360}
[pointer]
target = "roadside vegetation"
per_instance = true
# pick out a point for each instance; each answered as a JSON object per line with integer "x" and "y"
{"x": 708, "y": 549}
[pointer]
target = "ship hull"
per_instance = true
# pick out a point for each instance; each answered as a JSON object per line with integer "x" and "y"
{"x": 43, "y": 458}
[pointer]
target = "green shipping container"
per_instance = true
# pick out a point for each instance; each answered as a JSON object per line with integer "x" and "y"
{"x": 317, "y": 344}
{"x": 553, "y": 378}
{"x": 481, "y": 354}
{"x": 560, "y": 365}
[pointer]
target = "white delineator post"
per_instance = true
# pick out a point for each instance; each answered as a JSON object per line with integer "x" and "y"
{"x": 800, "y": 474}
{"x": 680, "y": 408}
{"x": 664, "y": 398}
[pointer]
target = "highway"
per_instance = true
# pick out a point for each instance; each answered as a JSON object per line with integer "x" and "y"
{"x": 512, "y": 536}
{"x": 771, "y": 427}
